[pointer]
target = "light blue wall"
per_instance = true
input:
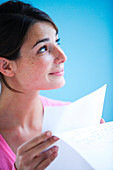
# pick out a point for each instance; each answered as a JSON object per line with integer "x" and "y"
{"x": 86, "y": 32}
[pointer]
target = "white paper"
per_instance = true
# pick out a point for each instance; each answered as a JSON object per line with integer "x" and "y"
{"x": 84, "y": 112}
{"x": 68, "y": 159}
{"x": 94, "y": 144}
{"x": 62, "y": 120}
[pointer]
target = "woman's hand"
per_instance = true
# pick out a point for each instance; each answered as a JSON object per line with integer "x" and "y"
{"x": 33, "y": 154}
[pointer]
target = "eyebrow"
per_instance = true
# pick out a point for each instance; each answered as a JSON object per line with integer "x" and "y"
{"x": 43, "y": 40}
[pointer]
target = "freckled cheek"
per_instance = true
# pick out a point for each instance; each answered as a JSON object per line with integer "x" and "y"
{"x": 45, "y": 62}
{"x": 42, "y": 66}
{"x": 48, "y": 59}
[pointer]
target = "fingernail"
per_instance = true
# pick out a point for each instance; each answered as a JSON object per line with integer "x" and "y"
{"x": 56, "y": 148}
{"x": 48, "y": 133}
{"x": 55, "y": 138}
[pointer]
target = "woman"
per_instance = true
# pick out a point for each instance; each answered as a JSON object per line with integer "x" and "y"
{"x": 30, "y": 60}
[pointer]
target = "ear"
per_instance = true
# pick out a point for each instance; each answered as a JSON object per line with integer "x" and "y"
{"x": 6, "y": 67}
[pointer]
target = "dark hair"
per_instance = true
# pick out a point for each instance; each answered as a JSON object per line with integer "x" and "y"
{"x": 16, "y": 18}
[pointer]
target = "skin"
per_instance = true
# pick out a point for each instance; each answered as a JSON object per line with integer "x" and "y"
{"x": 35, "y": 70}
{"x": 38, "y": 65}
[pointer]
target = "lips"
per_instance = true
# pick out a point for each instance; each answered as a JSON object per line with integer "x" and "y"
{"x": 57, "y": 72}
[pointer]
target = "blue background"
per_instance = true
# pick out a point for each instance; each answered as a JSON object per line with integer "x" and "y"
{"x": 86, "y": 33}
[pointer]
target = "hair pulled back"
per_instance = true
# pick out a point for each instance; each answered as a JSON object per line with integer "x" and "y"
{"x": 16, "y": 17}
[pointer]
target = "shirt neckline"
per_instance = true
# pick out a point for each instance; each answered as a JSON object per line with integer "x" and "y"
{"x": 7, "y": 148}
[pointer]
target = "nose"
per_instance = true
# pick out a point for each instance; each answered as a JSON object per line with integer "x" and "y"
{"x": 60, "y": 57}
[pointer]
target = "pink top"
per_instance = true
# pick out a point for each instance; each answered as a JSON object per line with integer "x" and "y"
{"x": 7, "y": 156}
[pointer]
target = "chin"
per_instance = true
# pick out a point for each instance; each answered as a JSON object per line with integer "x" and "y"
{"x": 51, "y": 85}
{"x": 57, "y": 85}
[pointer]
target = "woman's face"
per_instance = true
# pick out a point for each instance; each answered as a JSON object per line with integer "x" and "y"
{"x": 41, "y": 62}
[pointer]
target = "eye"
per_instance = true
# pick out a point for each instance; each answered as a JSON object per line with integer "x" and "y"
{"x": 58, "y": 41}
{"x": 42, "y": 49}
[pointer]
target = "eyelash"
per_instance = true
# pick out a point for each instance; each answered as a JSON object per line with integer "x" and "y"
{"x": 39, "y": 51}
{"x": 46, "y": 48}
{"x": 58, "y": 41}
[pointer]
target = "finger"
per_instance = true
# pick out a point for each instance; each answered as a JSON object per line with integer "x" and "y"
{"x": 33, "y": 142}
{"x": 35, "y": 151}
{"x": 102, "y": 121}
{"x": 44, "y": 164}
{"x": 37, "y": 160}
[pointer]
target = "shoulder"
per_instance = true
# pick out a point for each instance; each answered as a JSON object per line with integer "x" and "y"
{"x": 51, "y": 102}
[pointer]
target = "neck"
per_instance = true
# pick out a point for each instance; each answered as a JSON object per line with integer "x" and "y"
{"x": 20, "y": 109}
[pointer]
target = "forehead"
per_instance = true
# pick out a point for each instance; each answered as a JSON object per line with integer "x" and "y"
{"x": 39, "y": 31}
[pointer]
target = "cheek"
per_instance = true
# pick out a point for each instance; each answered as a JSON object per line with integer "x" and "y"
{"x": 43, "y": 63}
{"x": 34, "y": 72}
{"x": 38, "y": 68}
